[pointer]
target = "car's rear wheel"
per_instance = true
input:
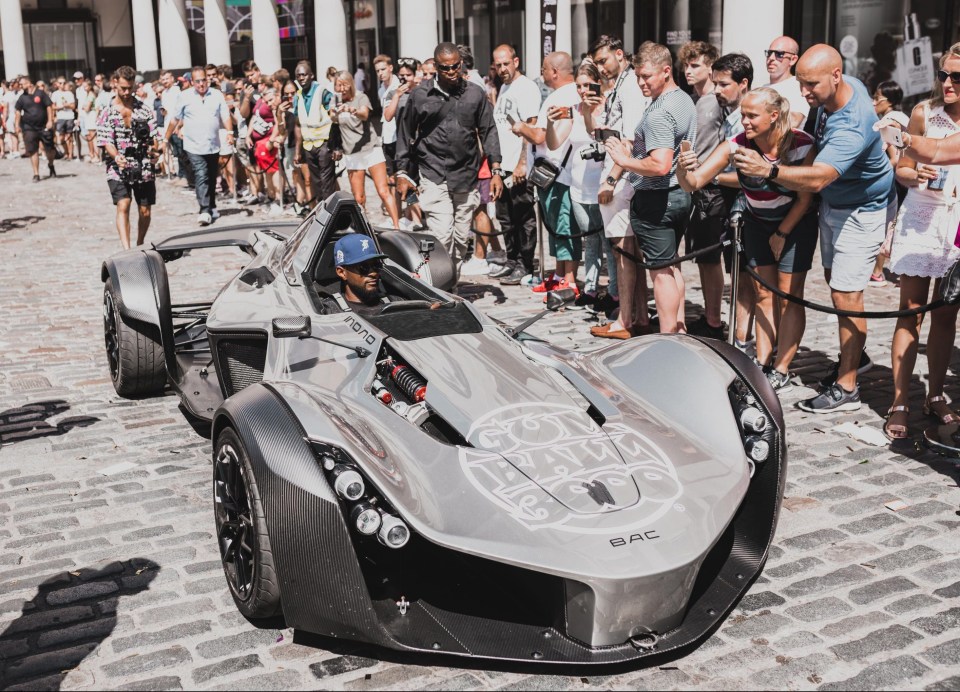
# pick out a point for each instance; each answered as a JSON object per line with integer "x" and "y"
{"x": 136, "y": 357}
{"x": 242, "y": 530}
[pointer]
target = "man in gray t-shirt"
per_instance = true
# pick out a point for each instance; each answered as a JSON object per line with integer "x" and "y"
{"x": 660, "y": 210}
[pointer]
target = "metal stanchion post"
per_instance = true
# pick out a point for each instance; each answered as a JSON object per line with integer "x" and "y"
{"x": 536, "y": 211}
{"x": 736, "y": 223}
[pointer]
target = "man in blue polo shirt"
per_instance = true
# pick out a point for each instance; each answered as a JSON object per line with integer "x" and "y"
{"x": 854, "y": 178}
{"x": 203, "y": 111}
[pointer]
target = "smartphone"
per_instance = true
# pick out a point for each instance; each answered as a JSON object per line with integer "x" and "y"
{"x": 566, "y": 112}
{"x": 938, "y": 182}
{"x": 892, "y": 135}
{"x": 685, "y": 145}
{"x": 602, "y": 134}
{"x": 594, "y": 89}
{"x": 510, "y": 119}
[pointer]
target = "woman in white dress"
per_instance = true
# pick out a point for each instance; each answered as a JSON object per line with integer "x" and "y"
{"x": 921, "y": 248}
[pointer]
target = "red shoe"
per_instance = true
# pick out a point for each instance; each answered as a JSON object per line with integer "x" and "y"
{"x": 563, "y": 283}
{"x": 546, "y": 286}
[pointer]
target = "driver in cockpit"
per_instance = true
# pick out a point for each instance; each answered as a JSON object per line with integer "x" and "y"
{"x": 357, "y": 264}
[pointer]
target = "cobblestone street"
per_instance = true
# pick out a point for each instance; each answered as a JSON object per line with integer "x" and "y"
{"x": 109, "y": 570}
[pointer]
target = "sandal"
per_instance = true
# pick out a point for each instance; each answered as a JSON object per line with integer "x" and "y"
{"x": 895, "y": 431}
{"x": 945, "y": 419}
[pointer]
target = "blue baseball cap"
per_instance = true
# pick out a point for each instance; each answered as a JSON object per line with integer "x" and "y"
{"x": 354, "y": 249}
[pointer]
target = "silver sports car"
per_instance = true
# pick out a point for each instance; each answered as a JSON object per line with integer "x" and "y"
{"x": 429, "y": 479}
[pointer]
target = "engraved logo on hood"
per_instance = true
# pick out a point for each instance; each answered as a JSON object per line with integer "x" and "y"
{"x": 551, "y": 465}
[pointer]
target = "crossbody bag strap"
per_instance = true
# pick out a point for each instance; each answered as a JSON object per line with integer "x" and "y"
{"x": 567, "y": 157}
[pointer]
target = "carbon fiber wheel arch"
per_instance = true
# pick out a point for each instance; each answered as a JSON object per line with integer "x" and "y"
{"x": 322, "y": 588}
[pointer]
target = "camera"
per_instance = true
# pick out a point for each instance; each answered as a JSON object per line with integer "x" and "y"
{"x": 139, "y": 162}
{"x": 595, "y": 151}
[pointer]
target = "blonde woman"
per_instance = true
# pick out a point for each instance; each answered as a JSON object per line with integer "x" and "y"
{"x": 361, "y": 145}
{"x": 780, "y": 225}
{"x": 921, "y": 250}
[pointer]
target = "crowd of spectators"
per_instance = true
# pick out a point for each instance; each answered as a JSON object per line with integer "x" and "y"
{"x": 617, "y": 156}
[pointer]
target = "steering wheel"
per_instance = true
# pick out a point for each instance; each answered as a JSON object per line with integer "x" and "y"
{"x": 403, "y": 305}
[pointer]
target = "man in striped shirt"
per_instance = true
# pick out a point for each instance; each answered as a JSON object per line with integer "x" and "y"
{"x": 659, "y": 210}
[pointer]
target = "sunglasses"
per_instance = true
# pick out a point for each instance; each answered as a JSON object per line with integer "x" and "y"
{"x": 953, "y": 76}
{"x": 406, "y": 62}
{"x": 450, "y": 68}
{"x": 364, "y": 268}
{"x": 778, "y": 54}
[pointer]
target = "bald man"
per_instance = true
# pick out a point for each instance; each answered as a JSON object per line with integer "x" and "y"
{"x": 781, "y": 56}
{"x": 854, "y": 178}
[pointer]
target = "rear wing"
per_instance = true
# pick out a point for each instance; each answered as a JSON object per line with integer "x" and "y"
{"x": 240, "y": 235}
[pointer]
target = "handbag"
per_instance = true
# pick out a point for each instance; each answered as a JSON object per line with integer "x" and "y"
{"x": 950, "y": 285}
{"x": 545, "y": 172}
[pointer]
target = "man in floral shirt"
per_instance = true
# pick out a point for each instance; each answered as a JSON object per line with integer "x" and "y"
{"x": 127, "y": 131}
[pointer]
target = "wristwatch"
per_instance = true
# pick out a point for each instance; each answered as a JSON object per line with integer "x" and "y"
{"x": 499, "y": 172}
{"x": 774, "y": 172}
{"x": 611, "y": 181}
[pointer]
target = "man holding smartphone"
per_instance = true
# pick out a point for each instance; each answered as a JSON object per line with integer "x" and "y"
{"x": 622, "y": 111}
{"x": 518, "y": 102}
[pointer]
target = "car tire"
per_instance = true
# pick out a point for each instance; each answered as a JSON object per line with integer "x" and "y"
{"x": 135, "y": 355}
{"x": 242, "y": 530}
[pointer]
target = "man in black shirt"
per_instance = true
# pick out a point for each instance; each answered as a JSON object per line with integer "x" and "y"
{"x": 35, "y": 124}
{"x": 445, "y": 121}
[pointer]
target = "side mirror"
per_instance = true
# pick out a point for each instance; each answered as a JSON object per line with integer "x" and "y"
{"x": 286, "y": 327}
{"x": 557, "y": 299}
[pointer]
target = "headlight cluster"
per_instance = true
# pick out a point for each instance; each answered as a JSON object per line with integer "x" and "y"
{"x": 755, "y": 425}
{"x": 366, "y": 511}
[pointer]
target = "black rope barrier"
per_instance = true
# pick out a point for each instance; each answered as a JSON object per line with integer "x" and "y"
{"x": 571, "y": 236}
{"x": 870, "y": 314}
{"x": 488, "y": 235}
{"x": 640, "y": 262}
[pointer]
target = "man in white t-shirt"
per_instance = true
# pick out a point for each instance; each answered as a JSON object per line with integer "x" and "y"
{"x": 623, "y": 108}
{"x": 10, "y": 97}
{"x": 557, "y": 73}
{"x": 65, "y": 107}
{"x": 388, "y": 83}
{"x": 781, "y": 57}
{"x": 518, "y": 102}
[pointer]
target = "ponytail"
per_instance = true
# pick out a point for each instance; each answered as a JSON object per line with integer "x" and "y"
{"x": 782, "y": 128}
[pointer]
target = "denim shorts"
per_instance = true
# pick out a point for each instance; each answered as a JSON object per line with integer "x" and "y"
{"x": 850, "y": 241}
{"x": 798, "y": 247}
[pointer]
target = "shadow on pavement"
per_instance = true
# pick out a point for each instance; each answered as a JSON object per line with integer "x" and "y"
{"x": 29, "y": 422}
{"x": 18, "y": 223}
{"x": 71, "y": 615}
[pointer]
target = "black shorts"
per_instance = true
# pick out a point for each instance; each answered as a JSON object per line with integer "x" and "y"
{"x": 798, "y": 248}
{"x": 390, "y": 153}
{"x": 145, "y": 193}
{"x": 32, "y": 140}
{"x": 658, "y": 219}
{"x": 707, "y": 222}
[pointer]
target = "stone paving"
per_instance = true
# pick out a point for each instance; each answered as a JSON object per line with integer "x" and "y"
{"x": 109, "y": 571}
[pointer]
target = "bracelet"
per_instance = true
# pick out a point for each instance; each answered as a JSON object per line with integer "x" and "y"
{"x": 781, "y": 234}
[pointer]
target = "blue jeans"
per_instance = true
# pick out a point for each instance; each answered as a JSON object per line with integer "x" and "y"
{"x": 586, "y": 217}
{"x": 206, "y": 168}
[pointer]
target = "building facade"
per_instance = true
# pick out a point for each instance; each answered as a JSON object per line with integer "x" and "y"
{"x": 47, "y": 37}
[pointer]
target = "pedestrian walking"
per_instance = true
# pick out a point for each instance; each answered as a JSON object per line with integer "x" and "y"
{"x": 128, "y": 134}
{"x": 202, "y": 112}
{"x": 312, "y": 107}
{"x": 34, "y": 122}
{"x": 444, "y": 123}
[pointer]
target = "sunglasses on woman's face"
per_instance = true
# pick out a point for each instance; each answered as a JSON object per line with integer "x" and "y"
{"x": 953, "y": 76}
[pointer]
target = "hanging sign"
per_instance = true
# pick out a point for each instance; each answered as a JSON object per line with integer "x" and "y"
{"x": 915, "y": 60}
{"x": 548, "y": 26}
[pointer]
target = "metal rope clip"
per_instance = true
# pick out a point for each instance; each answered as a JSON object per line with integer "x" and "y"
{"x": 403, "y": 604}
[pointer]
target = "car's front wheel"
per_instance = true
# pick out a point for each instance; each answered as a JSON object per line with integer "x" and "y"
{"x": 242, "y": 530}
{"x": 136, "y": 357}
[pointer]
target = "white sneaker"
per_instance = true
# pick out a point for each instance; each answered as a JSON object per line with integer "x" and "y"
{"x": 275, "y": 210}
{"x": 475, "y": 267}
{"x": 530, "y": 280}
{"x": 406, "y": 224}
{"x": 214, "y": 215}
{"x": 204, "y": 219}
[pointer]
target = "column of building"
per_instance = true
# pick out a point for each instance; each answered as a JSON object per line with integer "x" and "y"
{"x": 331, "y": 35}
{"x": 174, "y": 37}
{"x": 417, "y": 28}
{"x": 766, "y": 24}
{"x": 14, "y": 45}
{"x": 215, "y": 32}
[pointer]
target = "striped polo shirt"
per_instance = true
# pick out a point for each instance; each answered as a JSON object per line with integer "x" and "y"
{"x": 668, "y": 120}
{"x": 766, "y": 200}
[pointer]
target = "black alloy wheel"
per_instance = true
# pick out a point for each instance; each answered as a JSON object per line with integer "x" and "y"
{"x": 110, "y": 335}
{"x": 242, "y": 531}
